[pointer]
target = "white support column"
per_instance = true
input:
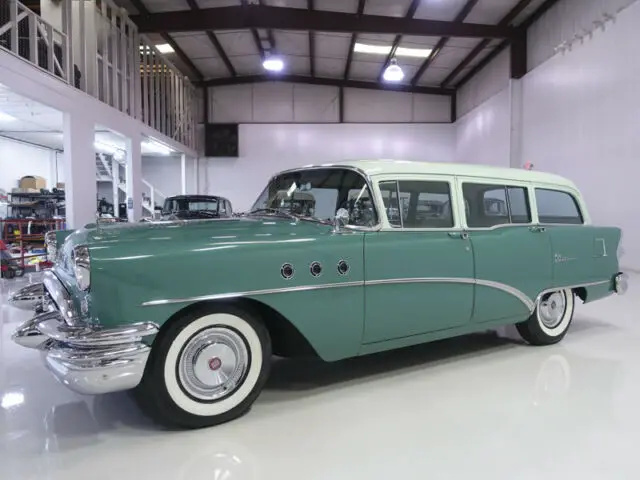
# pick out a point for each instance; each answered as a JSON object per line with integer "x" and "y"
{"x": 516, "y": 132}
{"x": 183, "y": 171}
{"x": 79, "y": 170}
{"x": 196, "y": 161}
{"x": 134, "y": 179}
{"x": 115, "y": 175}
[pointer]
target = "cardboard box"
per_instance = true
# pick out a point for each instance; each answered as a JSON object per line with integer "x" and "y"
{"x": 33, "y": 182}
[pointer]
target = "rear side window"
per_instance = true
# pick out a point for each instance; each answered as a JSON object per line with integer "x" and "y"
{"x": 417, "y": 204}
{"x": 490, "y": 205}
{"x": 555, "y": 206}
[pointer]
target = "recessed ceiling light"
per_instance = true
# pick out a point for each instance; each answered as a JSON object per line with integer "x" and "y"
{"x": 386, "y": 49}
{"x": 5, "y": 117}
{"x": 164, "y": 48}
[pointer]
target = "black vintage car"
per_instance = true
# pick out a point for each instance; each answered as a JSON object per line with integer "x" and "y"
{"x": 191, "y": 207}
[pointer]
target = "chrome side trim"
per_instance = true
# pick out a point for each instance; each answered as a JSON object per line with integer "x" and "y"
{"x": 570, "y": 287}
{"x": 523, "y": 297}
{"x": 472, "y": 281}
{"x": 251, "y": 293}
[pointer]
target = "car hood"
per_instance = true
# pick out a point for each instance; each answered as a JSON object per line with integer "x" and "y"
{"x": 205, "y": 231}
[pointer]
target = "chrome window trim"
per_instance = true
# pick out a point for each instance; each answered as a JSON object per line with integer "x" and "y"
{"x": 359, "y": 171}
{"x": 524, "y": 298}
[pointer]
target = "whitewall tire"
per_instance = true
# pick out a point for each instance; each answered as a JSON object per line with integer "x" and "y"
{"x": 550, "y": 320}
{"x": 206, "y": 368}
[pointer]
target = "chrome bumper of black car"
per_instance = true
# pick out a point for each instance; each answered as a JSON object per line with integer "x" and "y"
{"x": 88, "y": 359}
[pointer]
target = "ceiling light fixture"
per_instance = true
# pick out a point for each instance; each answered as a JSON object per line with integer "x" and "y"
{"x": 386, "y": 49}
{"x": 5, "y": 117}
{"x": 273, "y": 63}
{"x": 393, "y": 73}
{"x": 165, "y": 48}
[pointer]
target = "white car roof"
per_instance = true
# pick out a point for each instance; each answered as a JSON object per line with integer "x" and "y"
{"x": 395, "y": 167}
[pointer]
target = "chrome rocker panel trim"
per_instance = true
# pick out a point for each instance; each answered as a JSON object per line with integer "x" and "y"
{"x": 28, "y": 297}
{"x": 88, "y": 359}
{"x": 528, "y": 302}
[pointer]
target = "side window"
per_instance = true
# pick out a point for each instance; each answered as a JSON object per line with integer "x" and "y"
{"x": 229, "y": 209}
{"x": 490, "y": 205}
{"x": 389, "y": 192}
{"x": 555, "y": 206}
{"x": 222, "y": 207}
{"x": 418, "y": 204}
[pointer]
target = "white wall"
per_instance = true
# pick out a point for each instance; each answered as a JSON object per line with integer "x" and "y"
{"x": 581, "y": 120}
{"x": 483, "y": 134}
{"x": 20, "y": 159}
{"x": 294, "y": 103}
{"x": 165, "y": 174}
{"x": 268, "y": 148}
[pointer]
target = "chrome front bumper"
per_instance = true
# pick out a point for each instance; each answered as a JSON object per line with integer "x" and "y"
{"x": 27, "y": 298}
{"x": 86, "y": 358}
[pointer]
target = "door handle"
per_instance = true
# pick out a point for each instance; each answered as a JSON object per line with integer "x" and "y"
{"x": 537, "y": 229}
{"x": 462, "y": 235}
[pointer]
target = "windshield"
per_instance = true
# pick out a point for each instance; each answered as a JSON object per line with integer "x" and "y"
{"x": 317, "y": 194}
{"x": 175, "y": 205}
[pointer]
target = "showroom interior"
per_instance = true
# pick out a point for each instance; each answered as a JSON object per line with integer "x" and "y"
{"x": 111, "y": 109}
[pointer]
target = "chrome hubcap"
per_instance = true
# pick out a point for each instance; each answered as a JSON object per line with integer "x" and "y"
{"x": 552, "y": 309}
{"x": 213, "y": 364}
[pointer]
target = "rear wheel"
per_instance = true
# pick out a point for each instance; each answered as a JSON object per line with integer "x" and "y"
{"x": 206, "y": 368}
{"x": 550, "y": 320}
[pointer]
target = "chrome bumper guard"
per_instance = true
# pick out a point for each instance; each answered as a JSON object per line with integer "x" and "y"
{"x": 88, "y": 359}
{"x": 27, "y": 298}
{"x": 621, "y": 283}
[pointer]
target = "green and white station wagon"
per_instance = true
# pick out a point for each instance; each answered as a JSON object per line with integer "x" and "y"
{"x": 335, "y": 260}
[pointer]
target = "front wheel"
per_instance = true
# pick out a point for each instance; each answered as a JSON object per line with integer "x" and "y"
{"x": 206, "y": 368}
{"x": 550, "y": 320}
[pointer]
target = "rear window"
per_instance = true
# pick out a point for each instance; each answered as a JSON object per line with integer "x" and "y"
{"x": 555, "y": 206}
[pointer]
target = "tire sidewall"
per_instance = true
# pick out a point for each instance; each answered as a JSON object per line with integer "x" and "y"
{"x": 562, "y": 327}
{"x": 161, "y": 384}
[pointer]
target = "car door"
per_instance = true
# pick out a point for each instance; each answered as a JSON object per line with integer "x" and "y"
{"x": 419, "y": 266}
{"x": 512, "y": 255}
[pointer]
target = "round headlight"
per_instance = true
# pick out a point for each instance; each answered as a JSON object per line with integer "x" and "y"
{"x": 52, "y": 247}
{"x": 82, "y": 266}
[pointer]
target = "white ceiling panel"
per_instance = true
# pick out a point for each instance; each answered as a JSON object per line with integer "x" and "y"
{"x": 527, "y": 12}
{"x": 248, "y": 65}
{"x": 296, "y": 65}
{"x": 196, "y": 46}
{"x": 394, "y": 8}
{"x": 218, "y": 3}
{"x": 329, "y": 67}
{"x": 27, "y": 114}
{"x": 376, "y": 39}
{"x": 433, "y": 76}
{"x": 156, "y": 6}
{"x": 365, "y": 70}
{"x": 330, "y": 45}
{"x": 237, "y": 42}
{"x": 468, "y": 43}
{"x": 291, "y": 43}
{"x": 439, "y": 10}
{"x": 211, "y": 67}
{"x": 450, "y": 57}
{"x": 414, "y": 41}
{"x": 490, "y": 11}
{"x": 286, "y": 3}
{"x": 349, "y": 6}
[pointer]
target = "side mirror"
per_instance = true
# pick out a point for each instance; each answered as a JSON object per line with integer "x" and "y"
{"x": 341, "y": 219}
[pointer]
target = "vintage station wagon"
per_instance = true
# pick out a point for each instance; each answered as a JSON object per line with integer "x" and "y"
{"x": 384, "y": 254}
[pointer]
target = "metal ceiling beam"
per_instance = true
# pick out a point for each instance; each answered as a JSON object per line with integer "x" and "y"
{"x": 504, "y": 23}
{"x": 520, "y": 70}
{"x": 352, "y": 44}
{"x": 329, "y": 82}
{"x": 138, "y": 5}
{"x": 285, "y": 18}
{"x": 254, "y": 32}
{"x": 462, "y": 14}
{"x": 193, "y": 5}
{"x": 312, "y": 43}
{"x": 411, "y": 11}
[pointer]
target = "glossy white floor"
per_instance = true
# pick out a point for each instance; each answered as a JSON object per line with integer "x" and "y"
{"x": 482, "y": 406}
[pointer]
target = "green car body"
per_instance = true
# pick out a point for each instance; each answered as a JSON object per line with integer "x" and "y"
{"x": 343, "y": 292}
